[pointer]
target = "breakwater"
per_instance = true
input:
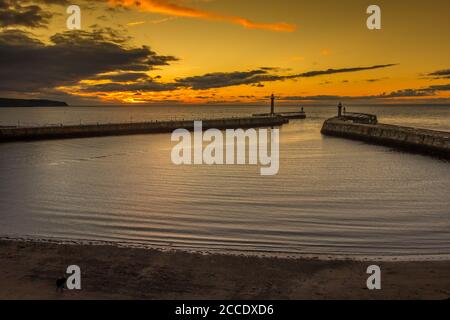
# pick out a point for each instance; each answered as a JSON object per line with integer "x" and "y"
{"x": 418, "y": 140}
{"x": 287, "y": 115}
{"x": 83, "y": 131}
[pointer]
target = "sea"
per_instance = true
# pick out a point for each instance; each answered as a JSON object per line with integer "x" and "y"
{"x": 332, "y": 198}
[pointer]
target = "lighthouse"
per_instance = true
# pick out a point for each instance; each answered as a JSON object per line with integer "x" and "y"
{"x": 272, "y": 104}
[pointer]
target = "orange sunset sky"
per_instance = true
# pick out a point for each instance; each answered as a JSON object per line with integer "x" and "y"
{"x": 225, "y": 51}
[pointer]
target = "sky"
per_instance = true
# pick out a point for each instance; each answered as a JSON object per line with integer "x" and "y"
{"x": 225, "y": 51}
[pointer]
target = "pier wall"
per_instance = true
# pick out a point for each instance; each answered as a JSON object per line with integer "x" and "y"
{"x": 417, "y": 140}
{"x": 80, "y": 131}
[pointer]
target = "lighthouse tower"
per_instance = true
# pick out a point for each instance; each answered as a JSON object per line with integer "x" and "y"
{"x": 272, "y": 105}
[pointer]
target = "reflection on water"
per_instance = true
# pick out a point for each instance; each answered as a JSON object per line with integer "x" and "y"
{"x": 332, "y": 196}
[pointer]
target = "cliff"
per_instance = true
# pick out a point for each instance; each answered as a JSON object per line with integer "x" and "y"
{"x": 5, "y": 102}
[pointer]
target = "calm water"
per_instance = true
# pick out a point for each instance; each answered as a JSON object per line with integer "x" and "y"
{"x": 331, "y": 197}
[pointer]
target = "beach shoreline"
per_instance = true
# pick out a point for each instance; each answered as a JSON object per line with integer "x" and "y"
{"x": 29, "y": 270}
{"x": 255, "y": 253}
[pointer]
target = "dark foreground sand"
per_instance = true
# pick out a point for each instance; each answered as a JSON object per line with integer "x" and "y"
{"x": 29, "y": 270}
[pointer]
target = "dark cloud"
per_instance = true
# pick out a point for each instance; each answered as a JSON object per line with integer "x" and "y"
{"x": 29, "y": 65}
{"x": 445, "y": 72}
{"x": 146, "y": 86}
{"x": 439, "y": 74}
{"x": 97, "y": 35}
{"x": 256, "y": 77}
{"x": 373, "y": 80}
{"x": 407, "y": 93}
{"x": 122, "y": 77}
{"x": 423, "y": 92}
{"x": 102, "y": 18}
{"x": 443, "y": 87}
{"x": 14, "y": 13}
{"x": 227, "y": 79}
{"x": 344, "y": 70}
{"x": 58, "y": 2}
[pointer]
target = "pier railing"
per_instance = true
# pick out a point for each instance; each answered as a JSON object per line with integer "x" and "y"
{"x": 130, "y": 128}
{"x": 364, "y": 118}
{"x": 132, "y": 120}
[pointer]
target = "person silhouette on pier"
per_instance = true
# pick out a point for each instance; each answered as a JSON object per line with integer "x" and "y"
{"x": 61, "y": 283}
{"x": 340, "y": 110}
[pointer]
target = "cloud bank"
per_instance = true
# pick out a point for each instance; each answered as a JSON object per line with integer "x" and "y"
{"x": 440, "y": 74}
{"x": 29, "y": 65}
{"x": 20, "y": 14}
{"x": 405, "y": 93}
{"x": 227, "y": 79}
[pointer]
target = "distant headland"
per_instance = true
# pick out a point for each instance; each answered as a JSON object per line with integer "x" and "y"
{"x": 5, "y": 102}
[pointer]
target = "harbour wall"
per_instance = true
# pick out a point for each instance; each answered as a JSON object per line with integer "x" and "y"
{"x": 417, "y": 140}
{"x": 84, "y": 131}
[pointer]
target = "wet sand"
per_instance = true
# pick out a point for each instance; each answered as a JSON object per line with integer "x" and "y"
{"x": 29, "y": 269}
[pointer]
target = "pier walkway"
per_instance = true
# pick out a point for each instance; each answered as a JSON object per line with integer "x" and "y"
{"x": 8, "y": 134}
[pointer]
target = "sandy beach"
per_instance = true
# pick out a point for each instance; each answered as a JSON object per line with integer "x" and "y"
{"x": 29, "y": 271}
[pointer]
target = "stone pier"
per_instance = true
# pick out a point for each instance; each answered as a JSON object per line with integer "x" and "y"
{"x": 425, "y": 141}
{"x": 8, "y": 134}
